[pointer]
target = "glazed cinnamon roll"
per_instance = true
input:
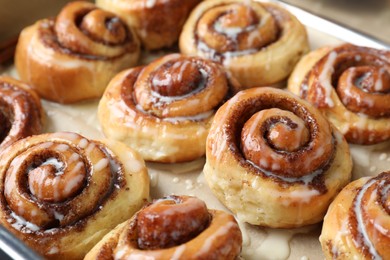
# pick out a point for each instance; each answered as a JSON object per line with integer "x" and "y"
{"x": 21, "y": 112}
{"x": 351, "y": 86}
{"x": 61, "y": 193}
{"x": 174, "y": 227}
{"x": 274, "y": 160}
{"x": 259, "y": 43}
{"x": 164, "y": 110}
{"x": 358, "y": 221}
{"x": 73, "y": 57}
{"x": 158, "y": 23}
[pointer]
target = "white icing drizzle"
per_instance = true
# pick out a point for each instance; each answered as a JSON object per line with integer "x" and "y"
{"x": 75, "y": 117}
{"x": 74, "y": 157}
{"x": 58, "y": 216}
{"x": 246, "y": 240}
{"x": 76, "y": 180}
{"x": 20, "y": 222}
{"x": 150, "y": 3}
{"x": 378, "y": 85}
{"x": 168, "y": 82}
{"x": 83, "y": 143}
{"x": 349, "y": 85}
{"x": 66, "y": 135}
{"x": 56, "y": 163}
{"x": 191, "y": 204}
{"x": 281, "y": 238}
{"x": 208, "y": 243}
{"x": 325, "y": 77}
{"x": 62, "y": 147}
{"x": 359, "y": 218}
{"x": 178, "y": 252}
{"x": 203, "y": 48}
{"x": 305, "y": 179}
{"x": 53, "y": 250}
{"x": 153, "y": 175}
{"x": 101, "y": 164}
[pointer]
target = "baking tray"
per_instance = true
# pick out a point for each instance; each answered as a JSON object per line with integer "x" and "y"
{"x": 317, "y": 26}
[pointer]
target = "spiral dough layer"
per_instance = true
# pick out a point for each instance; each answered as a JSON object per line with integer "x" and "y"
{"x": 162, "y": 109}
{"x": 259, "y": 43}
{"x": 274, "y": 160}
{"x": 72, "y": 57}
{"x": 157, "y": 23}
{"x": 21, "y": 112}
{"x": 351, "y": 86}
{"x": 174, "y": 227}
{"x": 358, "y": 221}
{"x": 58, "y": 191}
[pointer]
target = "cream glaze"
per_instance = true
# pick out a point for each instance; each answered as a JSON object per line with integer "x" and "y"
{"x": 187, "y": 178}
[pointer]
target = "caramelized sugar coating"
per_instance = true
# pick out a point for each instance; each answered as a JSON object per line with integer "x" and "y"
{"x": 179, "y": 227}
{"x": 351, "y": 86}
{"x": 259, "y": 43}
{"x": 73, "y": 57}
{"x": 58, "y": 191}
{"x": 274, "y": 160}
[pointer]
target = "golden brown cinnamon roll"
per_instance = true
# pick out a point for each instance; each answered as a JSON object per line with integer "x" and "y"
{"x": 357, "y": 225}
{"x": 164, "y": 110}
{"x": 158, "y": 23}
{"x": 274, "y": 160}
{"x": 61, "y": 193}
{"x": 351, "y": 86}
{"x": 73, "y": 57}
{"x": 174, "y": 227}
{"x": 21, "y": 112}
{"x": 259, "y": 43}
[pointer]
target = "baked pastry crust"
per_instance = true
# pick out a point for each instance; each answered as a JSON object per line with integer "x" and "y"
{"x": 274, "y": 160}
{"x": 199, "y": 233}
{"x": 259, "y": 43}
{"x": 350, "y": 85}
{"x": 73, "y": 57}
{"x": 358, "y": 221}
{"x": 58, "y": 191}
{"x": 164, "y": 110}
{"x": 157, "y": 23}
{"x": 21, "y": 112}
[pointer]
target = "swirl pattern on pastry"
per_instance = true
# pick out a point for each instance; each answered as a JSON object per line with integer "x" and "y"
{"x": 357, "y": 225}
{"x": 174, "y": 227}
{"x": 58, "y": 191}
{"x": 274, "y": 160}
{"x": 351, "y": 86}
{"x": 72, "y": 57}
{"x": 157, "y": 23}
{"x": 259, "y": 43}
{"x": 21, "y": 112}
{"x": 162, "y": 109}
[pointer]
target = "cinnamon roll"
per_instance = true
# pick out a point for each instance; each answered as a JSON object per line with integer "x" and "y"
{"x": 73, "y": 57}
{"x": 61, "y": 193}
{"x": 358, "y": 221}
{"x": 174, "y": 227}
{"x": 21, "y": 112}
{"x": 164, "y": 110}
{"x": 351, "y": 86}
{"x": 158, "y": 23}
{"x": 274, "y": 160}
{"x": 259, "y": 43}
